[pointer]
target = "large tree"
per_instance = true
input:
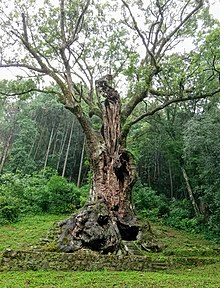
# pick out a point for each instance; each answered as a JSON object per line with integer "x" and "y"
{"x": 72, "y": 44}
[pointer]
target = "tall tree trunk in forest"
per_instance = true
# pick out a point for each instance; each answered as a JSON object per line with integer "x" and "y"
{"x": 5, "y": 151}
{"x": 63, "y": 141}
{"x": 68, "y": 147}
{"x": 39, "y": 141}
{"x": 81, "y": 162}
{"x": 8, "y": 142}
{"x": 109, "y": 217}
{"x": 171, "y": 180}
{"x": 189, "y": 189}
{"x": 55, "y": 140}
{"x": 48, "y": 147}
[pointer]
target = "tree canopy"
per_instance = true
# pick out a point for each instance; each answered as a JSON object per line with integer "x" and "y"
{"x": 76, "y": 42}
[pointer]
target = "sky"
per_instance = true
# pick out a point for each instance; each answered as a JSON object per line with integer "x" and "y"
{"x": 215, "y": 9}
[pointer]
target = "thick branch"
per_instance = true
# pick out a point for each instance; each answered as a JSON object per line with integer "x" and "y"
{"x": 135, "y": 100}
{"x": 28, "y": 91}
{"x": 132, "y": 104}
{"x": 127, "y": 126}
{"x": 19, "y": 65}
{"x": 91, "y": 135}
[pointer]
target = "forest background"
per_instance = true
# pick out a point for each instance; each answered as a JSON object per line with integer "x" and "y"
{"x": 45, "y": 169}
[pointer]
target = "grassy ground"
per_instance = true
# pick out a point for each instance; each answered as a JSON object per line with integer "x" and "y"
{"x": 27, "y": 233}
{"x": 203, "y": 277}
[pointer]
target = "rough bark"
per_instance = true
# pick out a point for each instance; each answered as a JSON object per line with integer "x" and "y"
{"x": 110, "y": 218}
{"x": 91, "y": 227}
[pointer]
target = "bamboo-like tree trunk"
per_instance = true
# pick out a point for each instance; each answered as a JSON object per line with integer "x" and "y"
{"x": 8, "y": 141}
{"x": 48, "y": 147}
{"x": 171, "y": 180}
{"x": 5, "y": 151}
{"x": 68, "y": 148}
{"x": 62, "y": 146}
{"x": 81, "y": 162}
{"x": 190, "y": 192}
{"x": 39, "y": 141}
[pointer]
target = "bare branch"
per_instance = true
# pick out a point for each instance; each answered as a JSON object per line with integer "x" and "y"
{"x": 62, "y": 21}
{"x": 153, "y": 61}
{"x": 159, "y": 23}
{"x": 175, "y": 100}
{"x": 78, "y": 24}
{"x": 172, "y": 33}
{"x": 22, "y": 66}
{"x": 29, "y": 91}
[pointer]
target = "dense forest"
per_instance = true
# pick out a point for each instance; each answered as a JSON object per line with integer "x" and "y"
{"x": 58, "y": 138}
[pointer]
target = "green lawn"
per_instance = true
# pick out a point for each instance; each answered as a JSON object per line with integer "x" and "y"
{"x": 26, "y": 233}
{"x": 205, "y": 277}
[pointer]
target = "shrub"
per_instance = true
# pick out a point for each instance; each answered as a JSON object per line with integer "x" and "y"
{"x": 182, "y": 216}
{"x": 43, "y": 191}
{"x": 64, "y": 197}
{"x": 148, "y": 203}
{"x": 9, "y": 209}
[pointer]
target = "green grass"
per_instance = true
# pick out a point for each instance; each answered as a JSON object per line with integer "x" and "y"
{"x": 180, "y": 243}
{"x": 26, "y": 233}
{"x": 207, "y": 276}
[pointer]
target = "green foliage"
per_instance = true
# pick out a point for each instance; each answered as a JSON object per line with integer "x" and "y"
{"x": 9, "y": 209}
{"x": 181, "y": 216}
{"x": 212, "y": 197}
{"x": 39, "y": 193}
{"x": 64, "y": 197}
{"x": 201, "y": 153}
{"x": 175, "y": 213}
{"x": 148, "y": 203}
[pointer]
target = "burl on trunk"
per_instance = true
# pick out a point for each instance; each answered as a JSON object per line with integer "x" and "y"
{"x": 108, "y": 218}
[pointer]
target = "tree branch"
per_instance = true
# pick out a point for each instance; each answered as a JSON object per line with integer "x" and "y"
{"x": 35, "y": 55}
{"x": 153, "y": 60}
{"x": 78, "y": 23}
{"x": 172, "y": 33}
{"x": 29, "y": 67}
{"x": 136, "y": 99}
{"x": 175, "y": 100}
{"x": 167, "y": 103}
{"x": 29, "y": 91}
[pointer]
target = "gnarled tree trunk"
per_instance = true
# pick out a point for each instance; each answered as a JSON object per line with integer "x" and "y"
{"x": 109, "y": 217}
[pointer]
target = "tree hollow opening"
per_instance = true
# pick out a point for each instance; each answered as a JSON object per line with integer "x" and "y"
{"x": 128, "y": 233}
